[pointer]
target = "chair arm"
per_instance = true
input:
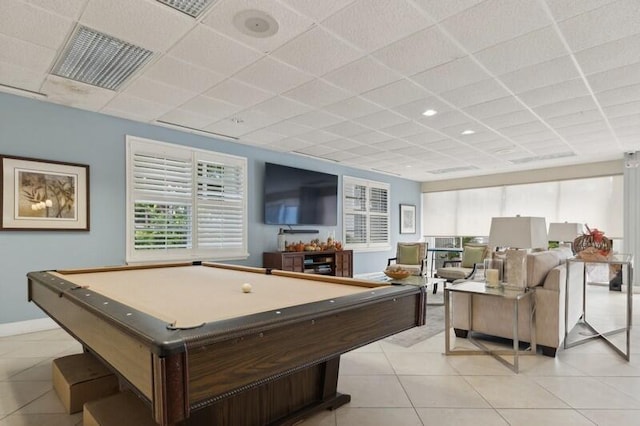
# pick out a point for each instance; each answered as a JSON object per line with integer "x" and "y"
{"x": 390, "y": 259}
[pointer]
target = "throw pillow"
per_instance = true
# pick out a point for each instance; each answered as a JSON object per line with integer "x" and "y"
{"x": 408, "y": 254}
{"x": 472, "y": 255}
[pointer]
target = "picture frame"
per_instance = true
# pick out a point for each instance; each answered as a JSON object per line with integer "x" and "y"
{"x": 407, "y": 219}
{"x": 43, "y": 195}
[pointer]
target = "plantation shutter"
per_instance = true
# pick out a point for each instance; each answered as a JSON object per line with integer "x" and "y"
{"x": 366, "y": 213}
{"x": 379, "y": 217}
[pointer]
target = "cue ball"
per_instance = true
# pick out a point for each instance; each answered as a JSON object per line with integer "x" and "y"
{"x": 246, "y": 288}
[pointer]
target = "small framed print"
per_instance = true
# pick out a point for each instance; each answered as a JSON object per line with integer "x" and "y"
{"x": 43, "y": 195}
{"x": 407, "y": 219}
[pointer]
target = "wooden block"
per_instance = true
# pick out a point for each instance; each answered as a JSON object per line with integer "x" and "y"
{"x": 122, "y": 409}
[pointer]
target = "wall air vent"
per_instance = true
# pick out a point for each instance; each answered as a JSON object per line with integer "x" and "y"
{"x": 190, "y": 7}
{"x": 100, "y": 60}
{"x": 543, "y": 157}
{"x": 451, "y": 170}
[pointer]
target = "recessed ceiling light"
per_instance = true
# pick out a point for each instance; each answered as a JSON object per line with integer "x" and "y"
{"x": 430, "y": 113}
{"x": 255, "y": 23}
{"x": 467, "y": 132}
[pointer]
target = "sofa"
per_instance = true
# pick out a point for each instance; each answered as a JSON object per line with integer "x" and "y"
{"x": 546, "y": 271}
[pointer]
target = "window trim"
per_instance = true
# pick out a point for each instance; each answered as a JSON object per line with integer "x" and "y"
{"x": 136, "y": 144}
{"x": 368, "y": 245}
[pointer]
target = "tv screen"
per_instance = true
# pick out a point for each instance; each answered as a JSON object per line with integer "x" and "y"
{"x": 295, "y": 196}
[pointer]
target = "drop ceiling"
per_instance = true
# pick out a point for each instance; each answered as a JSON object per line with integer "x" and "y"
{"x": 517, "y": 84}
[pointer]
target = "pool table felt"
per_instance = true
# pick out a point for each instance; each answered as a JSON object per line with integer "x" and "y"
{"x": 188, "y": 296}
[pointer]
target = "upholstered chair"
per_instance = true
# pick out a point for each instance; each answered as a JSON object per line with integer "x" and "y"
{"x": 411, "y": 256}
{"x": 465, "y": 267}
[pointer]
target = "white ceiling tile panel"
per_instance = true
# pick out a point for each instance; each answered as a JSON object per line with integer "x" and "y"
{"x": 509, "y": 119}
{"x": 210, "y": 107}
{"x": 493, "y": 108}
{"x": 570, "y": 106}
{"x": 317, "y": 52}
{"x": 619, "y": 95}
{"x": 340, "y": 155}
{"x": 534, "y": 137}
{"x": 157, "y": 31}
{"x": 373, "y": 24}
{"x": 222, "y": 18}
{"x": 316, "y": 119}
{"x": 191, "y": 77}
{"x": 401, "y": 55}
{"x": 532, "y": 48}
{"x": 617, "y": 77}
{"x": 585, "y": 128}
{"x": 404, "y": 130}
{"x": 23, "y": 78}
{"x": 575, "y": 118}
{"x": 627, "y": 120}
{"x": 210, "y": 50}
{"x": 381, "y": 119}
{"x": 393, "y": 144}
{"x": 25, "y": 55}
{"x": 80, "y": 95}
{"x": 281, "y": 107}
{"x": 352, "y": 108}
{"x": 186, "y": 118}
{"x": 397, "y": 93}
{"x": 501, "y": 20}
{"x": 554, "y": 93}
{"x": 360, "y": 76}
{"x": 629, "y": 131}
{"x": 317, "y": 93}
{"x": 540, "y": 75}
{"x": 288, "y": 144}
{"x": 253, "y": 118}
{"x": 33, "y": 24}
{"x": 445, "y": 119}
{"x": 476, "y": 93}
{"x": 414, "y": 110}
{"x": 229, "y": 128}
{"x": 563, "y": 9}
{"x": 318, "y": 136}
{"x": 67, "y": 8}
{"x": 425, "y": 138}
{"x": 343, "y": 143}
{"x": 620, "y": 19}
{"x": 523, "y": 129}
{"x": 412, "y": 151}
{"x": 370, "y": 137}
{"x": 161, "y": 93}
{"x": 288, "y": 128}
{"x": 439, "y": 10}
{"x": 367, "y": 150}
{"x": 315, "y": 150}
{"x": 610, "y": 55}
{"x": 452, "y": 75}
{"x": 622, "y": 109}
{"x": 235, "y": 92}
{"x": 141, "y": 109}
{"x": 317, "y": 10}
{"x": 272, "y": 75}
{"x": 346, "y": 129}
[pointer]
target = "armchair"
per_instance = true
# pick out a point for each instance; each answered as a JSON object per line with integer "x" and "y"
{"x": 411, "y": 256}
{"x": 465, "y": 267}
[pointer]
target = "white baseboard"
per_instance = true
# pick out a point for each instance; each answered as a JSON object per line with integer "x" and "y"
{"x": 30, "y": 326}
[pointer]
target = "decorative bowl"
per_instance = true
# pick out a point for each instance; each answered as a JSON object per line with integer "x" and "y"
{"x": 397, "y": 274}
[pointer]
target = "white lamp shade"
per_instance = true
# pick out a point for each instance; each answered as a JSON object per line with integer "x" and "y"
{"x": 518, "y": 232}
{"x": 564, "y": 231}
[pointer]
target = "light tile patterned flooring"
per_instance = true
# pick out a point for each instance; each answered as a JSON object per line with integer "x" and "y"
{"x": 394, "y": 385}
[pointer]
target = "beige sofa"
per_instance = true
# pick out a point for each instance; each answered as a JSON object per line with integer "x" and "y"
{"x": 546, "y": 271}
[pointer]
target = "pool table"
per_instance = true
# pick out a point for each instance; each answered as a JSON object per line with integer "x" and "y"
{"x": 199, "y": 350}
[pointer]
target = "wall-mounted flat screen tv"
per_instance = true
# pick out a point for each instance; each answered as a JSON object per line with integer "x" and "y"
{"x": 295, "y": 196}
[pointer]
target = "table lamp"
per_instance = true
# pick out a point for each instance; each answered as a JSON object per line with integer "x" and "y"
{"x": 517, "y": 234}
{"x": 564, "y": 232}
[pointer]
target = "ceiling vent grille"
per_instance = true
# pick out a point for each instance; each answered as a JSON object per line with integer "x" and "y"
{"x": 190, "y": 7}
{"x": 100, "y": 60}
{"x": 452, "y": 170}
{"x": 543, "y": 157}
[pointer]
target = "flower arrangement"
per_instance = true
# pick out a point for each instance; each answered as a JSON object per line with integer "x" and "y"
{"x": 592, "y": 245}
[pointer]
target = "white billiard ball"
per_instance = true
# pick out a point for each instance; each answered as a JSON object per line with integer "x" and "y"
{"x": 246, "y": 288}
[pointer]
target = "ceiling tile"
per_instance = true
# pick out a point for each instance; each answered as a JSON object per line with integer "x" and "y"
{"x": 261, "y": 137}
{"x": 223, "y": 19}
{"x": 366, "y": 150}
{"x": 157, "y": 32}
{"x": 346, "y": 129}
{"x": 139, "y": 109}
{"x": 554, "y": 93}
{"x": 371, "y": 25}
{"x": 340, "y": 155}
{"x": 360, "y": 76}
{"x": 509, "y": 119}
{"x": 315, "y": 150}
{"x": 620, "y": 18}
{"x": 253, "y": 119}
{"x": 370, "y": 137}
{"x": 405, "y": 129}
{"x": 610, "y": 55}
{"x": 427, "y": 137}
{"x": 414, "y": 110}
{"x": 33, "y": 24}
{"x": 532, "y": 48}
{"x": 235, "y": 92}
{"x": 22, "y": 78}
{"x": 317, "y": 93}
{"x": 617, "y": 77}
{"x": 575, "y": 118}
{"x": 80, "y": 95}
{"x": 281, "y": 107}
{"x": 161, "y": 93}
{"x": 316, "y": 119}
{"x": 288, "y": 128}
{"x": 230, "y": 129}
{"x": 523, "y": 129}
{"x": 272, "y": 75}
{"x": 500, "y": 106}
{"x": 393, "y": 144}
{"x": 317, "y": 10}
{"x": 402, "y": 56}
{"x": 584, "y": 128}
{"x": 352, "y": 108}
{"x": 446, "y": 119}
{"x": 210, "y": 107}
{"x": 288, "y": 144}
{"x": 191, "y": 77}
{"x": 210, "y": 50}
{"x": 439, "y": 10}
{"x": 476, "y": 93}
{"x": 343, "y": 143}
{"x": 397, "y": 93}
{"x": 563, "y": 9}
{"x": 186, "y": 118}
{"x": 67, "y": 8}
{"x": 318, "y": 136}
{"x": 25, "y": 55}
{"x": 501, "y": 21}
{"x": 452, "y": 75}
{"x": 622, "y": 109}
{"x": 381, "y": 119}
{"x": 619, "y": 95}
{"x": 540, "y": 75}
{"x": 317, "y": 52}
{"x": 570, "y": 106}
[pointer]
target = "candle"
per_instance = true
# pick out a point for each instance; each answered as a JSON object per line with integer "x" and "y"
{"x": 492, "y": 276}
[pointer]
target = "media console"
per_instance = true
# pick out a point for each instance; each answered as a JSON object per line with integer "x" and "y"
{"x": 329, "y": 262}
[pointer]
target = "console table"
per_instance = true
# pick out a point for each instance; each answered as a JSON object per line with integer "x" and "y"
{"x": 328, "y": 262}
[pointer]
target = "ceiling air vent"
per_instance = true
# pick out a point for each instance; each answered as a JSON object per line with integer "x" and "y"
{"x": 543, "y": 157}
{"x": 190, "y": 7}
{"x": 100, "y": 60}
{"x": 451, "y": 170}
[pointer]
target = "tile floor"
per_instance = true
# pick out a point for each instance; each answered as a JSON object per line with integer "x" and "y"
{"x": 394, "y": 385}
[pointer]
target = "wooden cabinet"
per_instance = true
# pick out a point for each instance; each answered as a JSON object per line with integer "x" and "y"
{"x": 337, "y": 263}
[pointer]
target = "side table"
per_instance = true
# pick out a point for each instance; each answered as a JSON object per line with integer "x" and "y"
{"x": 479, "y": 289}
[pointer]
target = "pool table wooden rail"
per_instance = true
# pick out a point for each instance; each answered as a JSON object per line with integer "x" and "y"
{"x": 228, "y": 365}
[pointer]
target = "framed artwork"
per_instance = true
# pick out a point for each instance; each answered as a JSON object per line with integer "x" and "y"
{"x": 43, "y": 195}
{"x": 407, "y": 219}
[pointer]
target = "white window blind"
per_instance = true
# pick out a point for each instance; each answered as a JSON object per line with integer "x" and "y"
{"x": 183, "y": 203}
{"x": 366, "y": 213}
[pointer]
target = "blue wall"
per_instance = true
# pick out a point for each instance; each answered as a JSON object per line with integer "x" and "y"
{"x": 30, "y": 128}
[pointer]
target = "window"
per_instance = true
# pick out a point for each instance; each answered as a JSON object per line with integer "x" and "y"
{"x": 366, "y": 213}
{"x": 184, "y": 203}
